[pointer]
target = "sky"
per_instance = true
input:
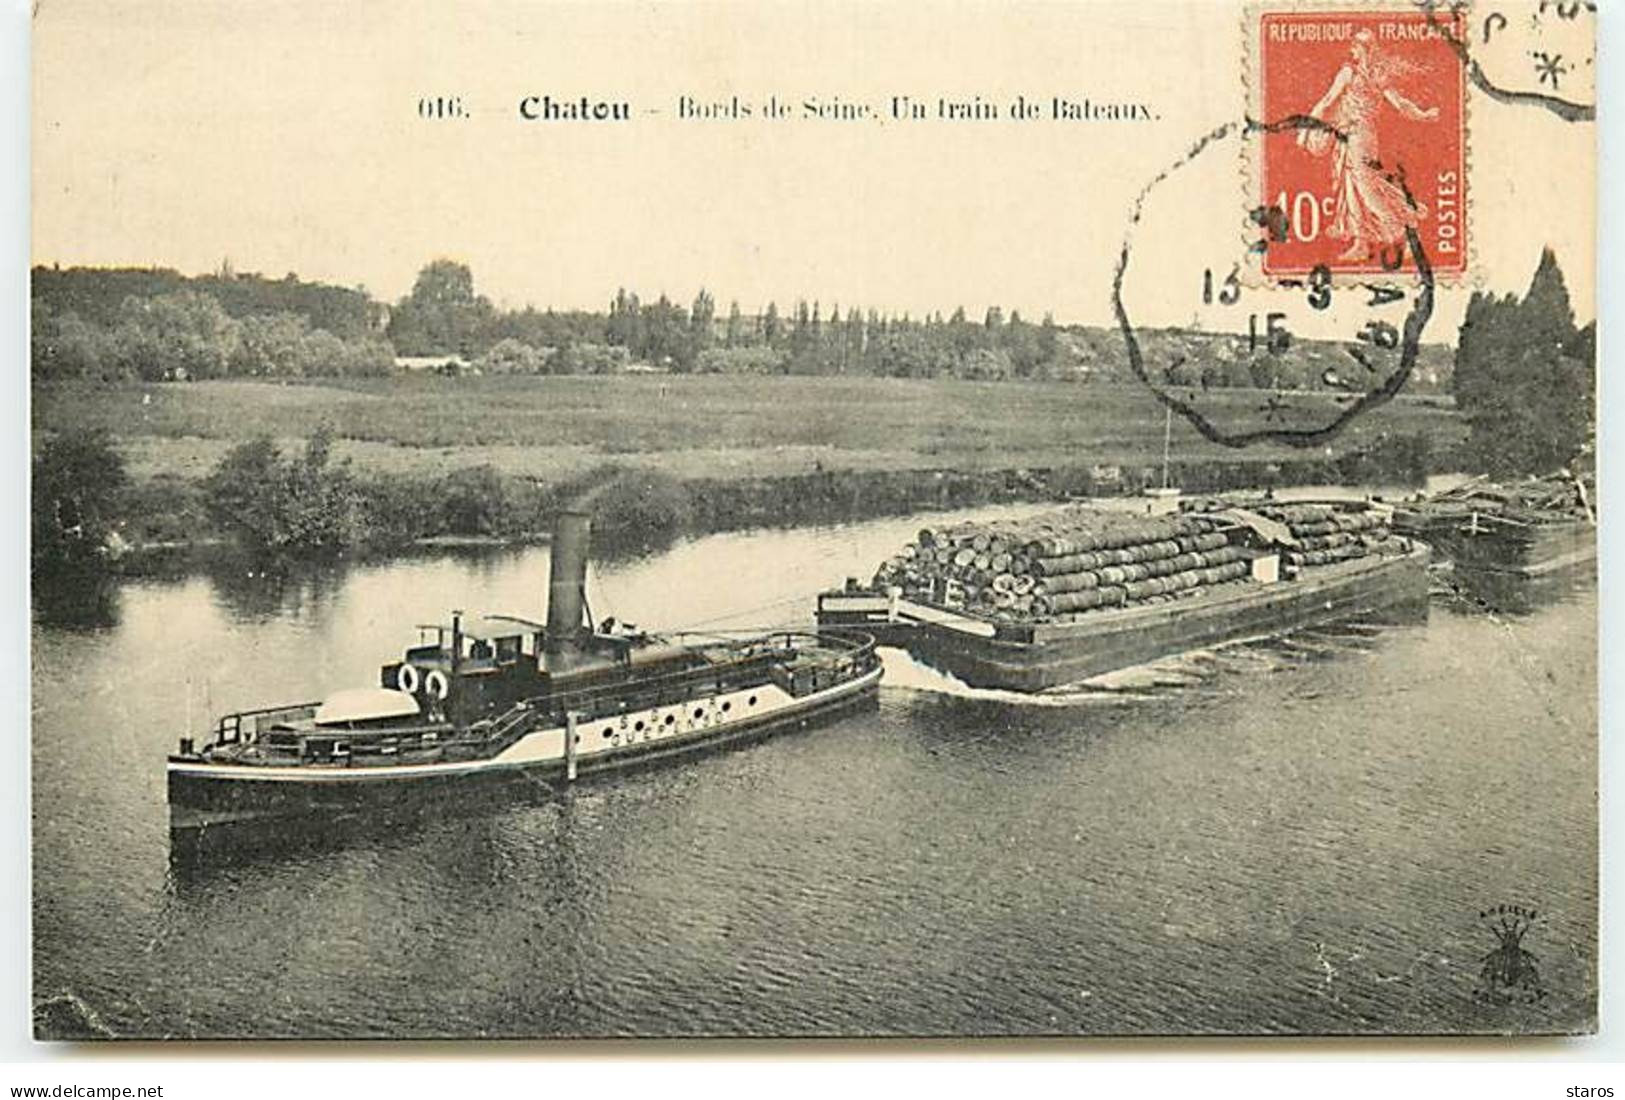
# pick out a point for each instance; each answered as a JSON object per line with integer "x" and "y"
{"x": 286, "y": 136}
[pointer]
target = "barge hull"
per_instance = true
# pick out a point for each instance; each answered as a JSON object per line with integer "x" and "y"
{"x": 1045, "y": 656}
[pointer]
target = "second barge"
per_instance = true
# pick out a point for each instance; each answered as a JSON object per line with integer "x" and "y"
{"x": 1530, "y": 530}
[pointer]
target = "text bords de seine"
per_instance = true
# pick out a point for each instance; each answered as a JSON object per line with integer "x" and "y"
{"x": 897, "y": 108}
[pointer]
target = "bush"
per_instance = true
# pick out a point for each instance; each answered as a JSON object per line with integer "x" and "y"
{"x": 64, "y": 346}
{"x": 912, "y": 354}
{"x": 164, "y": 509}
{"x": 1401, "y": 458}
{"x": 272, "y": 346}
{"x": 630, "y": 509}
{"x": 370, "y": 358}
{"x": 511, "y": 356}
{"x": 591, "y": 359}
{"x": 300, "y": 506}
{"x": 324, "y": 355}
{"x": 475, "y": 501}
{"x": 77, "y": 482}
{"x": 179, "y": 336}
{"x": 397, "y": 510}
{"x": 986, "y": 364}
{"x": 756, "y": 359}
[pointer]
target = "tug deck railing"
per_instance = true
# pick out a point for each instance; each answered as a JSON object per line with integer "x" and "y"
{"x": 774, "y": 657}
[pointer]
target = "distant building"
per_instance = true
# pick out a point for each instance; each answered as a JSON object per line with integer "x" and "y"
{"x": 440, "y": 364}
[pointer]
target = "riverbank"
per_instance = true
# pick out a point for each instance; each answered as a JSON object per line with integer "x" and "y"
{"x": 637, "y": 509}
{"x": 491, "y": 460}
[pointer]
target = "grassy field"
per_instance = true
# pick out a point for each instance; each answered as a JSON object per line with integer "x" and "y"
{"x": 550, "y": 428}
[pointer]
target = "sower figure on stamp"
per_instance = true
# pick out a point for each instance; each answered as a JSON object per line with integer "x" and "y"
{"x": 1371, "y": 210}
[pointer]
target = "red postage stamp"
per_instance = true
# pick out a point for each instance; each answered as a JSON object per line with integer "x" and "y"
{"x": 1365, "y": 140}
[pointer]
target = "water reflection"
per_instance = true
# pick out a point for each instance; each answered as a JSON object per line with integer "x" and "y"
{"x": 1492, "y": 592}
{"x": 254, "y": 591}
{"x": 86, "y": 599}
{"x": 358, "y": 821}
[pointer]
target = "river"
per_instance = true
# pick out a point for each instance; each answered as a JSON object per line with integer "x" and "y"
{"x": 1290, "y": 836}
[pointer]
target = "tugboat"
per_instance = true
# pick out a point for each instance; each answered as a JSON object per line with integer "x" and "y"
{"x": 510, "y": 697}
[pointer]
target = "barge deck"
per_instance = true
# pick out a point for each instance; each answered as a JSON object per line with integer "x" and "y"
{"x": 1039, "y": 656}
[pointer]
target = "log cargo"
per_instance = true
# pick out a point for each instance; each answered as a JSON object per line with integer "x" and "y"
{"x": 1087, "y": 591}
{"x": 1082, "y": 559}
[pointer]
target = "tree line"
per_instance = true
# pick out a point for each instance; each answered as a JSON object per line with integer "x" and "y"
{"x": 444, "y": 315}
{"x": 97, "y": 295}
{"x": 157, "y": 325}
{"x": 807, "y": 340}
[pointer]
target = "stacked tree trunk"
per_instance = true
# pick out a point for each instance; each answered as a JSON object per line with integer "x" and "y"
{"x": 1325, "y": 534}
{"x": 1063, "y": 564}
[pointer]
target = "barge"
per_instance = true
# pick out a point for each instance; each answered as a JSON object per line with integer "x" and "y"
{"x": 1530, "y": 530}
{"x": 509, "y": 699}
{"x": 1124, "y": 594}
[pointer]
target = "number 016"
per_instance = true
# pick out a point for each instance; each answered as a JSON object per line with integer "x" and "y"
{"x": 1304, "y": 211}
{"x": 440, "y": 106}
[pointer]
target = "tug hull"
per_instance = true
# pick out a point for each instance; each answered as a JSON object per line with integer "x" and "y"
{"x": 204, "y": 796}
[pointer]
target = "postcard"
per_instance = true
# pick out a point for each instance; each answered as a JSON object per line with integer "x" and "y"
{"x": 694, "y": 520}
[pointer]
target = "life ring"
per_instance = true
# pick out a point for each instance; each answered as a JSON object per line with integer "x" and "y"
{"x": 406, "y": 678}
{"x": 436, "y": 684}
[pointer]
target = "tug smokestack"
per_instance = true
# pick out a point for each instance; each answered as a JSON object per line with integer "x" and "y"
{"x": 567, "y": 579}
